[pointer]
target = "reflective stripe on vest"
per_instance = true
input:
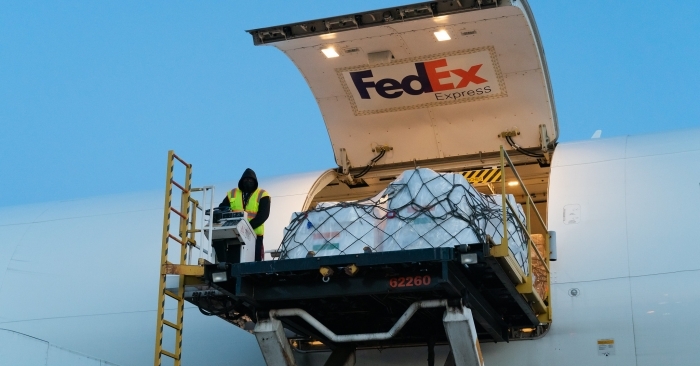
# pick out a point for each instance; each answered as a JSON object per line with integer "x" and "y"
{"x": 235, "y": 198}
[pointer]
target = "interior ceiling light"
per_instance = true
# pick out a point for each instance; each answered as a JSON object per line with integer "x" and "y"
{"x": 513, "y": 183}
{"x": 440, "y": 19}
{"x": 442, "y": 36}
{"x": 330, "y": 52}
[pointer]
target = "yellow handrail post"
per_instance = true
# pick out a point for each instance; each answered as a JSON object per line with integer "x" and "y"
{"x": 500, "y": 250}
{"x": 185, "y": 208}
{"x": 529, "y": 241}
{"x": 504, "y": 237}
{"x": 548, "y": 294}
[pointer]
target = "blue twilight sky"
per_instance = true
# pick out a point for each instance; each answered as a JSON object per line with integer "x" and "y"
{"x": 94, "y": 93}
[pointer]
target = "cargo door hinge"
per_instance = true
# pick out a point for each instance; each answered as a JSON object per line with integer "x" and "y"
{"x": 345, "y": 175}
{"x": 544, "y": 142}
{"x": 509, "y": 133}
{"x": 382, "y": 148}
{"x": 344, "y": 161}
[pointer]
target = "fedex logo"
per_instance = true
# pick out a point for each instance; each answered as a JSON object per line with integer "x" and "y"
{"x": 426, "y": 80}
{"x": 432, "y": 80}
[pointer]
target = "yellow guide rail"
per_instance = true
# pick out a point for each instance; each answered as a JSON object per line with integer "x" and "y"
{"x": 525, "y": 283}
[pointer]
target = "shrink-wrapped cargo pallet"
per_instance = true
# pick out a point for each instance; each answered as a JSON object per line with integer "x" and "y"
{"x": 420, "y": 209}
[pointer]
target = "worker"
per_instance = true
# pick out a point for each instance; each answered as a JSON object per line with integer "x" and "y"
{"x": 255, "y": 202}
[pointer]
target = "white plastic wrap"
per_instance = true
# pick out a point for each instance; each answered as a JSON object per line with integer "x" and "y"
{"x": 420, "y": 209}
{"x": 517, "y": 241}
{"x": 427, "y": 207}
{"x": 333, "y": 230}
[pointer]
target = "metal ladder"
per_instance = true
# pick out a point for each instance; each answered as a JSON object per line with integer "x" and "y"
{"x": 186, "y": 238}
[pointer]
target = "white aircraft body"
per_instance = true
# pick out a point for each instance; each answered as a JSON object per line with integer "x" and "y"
{"x": 79, "y": 279}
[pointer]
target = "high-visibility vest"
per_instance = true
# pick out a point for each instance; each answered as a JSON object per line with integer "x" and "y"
{"x": 235, "y": 197}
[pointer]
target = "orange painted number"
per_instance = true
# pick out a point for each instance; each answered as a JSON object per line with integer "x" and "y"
{"x": 410, "y": 281}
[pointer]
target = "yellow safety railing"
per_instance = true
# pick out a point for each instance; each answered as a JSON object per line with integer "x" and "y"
{"x": 525, "y": 283}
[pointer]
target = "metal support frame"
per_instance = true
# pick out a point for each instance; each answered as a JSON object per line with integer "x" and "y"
{"x": 186, "y": 270}
{"x": 273, "y": 343}
{"x": 464, "y": 343}
{"x": 342, "y": 356}
{"x": 450, "y": 361}
{"x": 486, "y": 315}
{"x": 359, "y": 337}
{"x": 283, "y": 284}
{"x": 458, "y": 323}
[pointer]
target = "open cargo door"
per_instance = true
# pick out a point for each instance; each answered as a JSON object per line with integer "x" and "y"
{"x": 430, "y": 81}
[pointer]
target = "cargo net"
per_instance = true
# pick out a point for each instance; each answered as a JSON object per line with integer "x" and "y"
{"x": 420, "y": 209}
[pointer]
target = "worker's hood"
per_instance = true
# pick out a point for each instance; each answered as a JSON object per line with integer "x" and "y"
{"x": 247, "y": 188}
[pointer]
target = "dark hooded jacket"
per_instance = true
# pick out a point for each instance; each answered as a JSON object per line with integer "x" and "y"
{"x": 263, "y": 207}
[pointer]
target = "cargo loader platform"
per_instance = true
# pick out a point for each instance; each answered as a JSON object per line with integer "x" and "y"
{"x": 368, "y": 293}
{"x": 459, "y": 295}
